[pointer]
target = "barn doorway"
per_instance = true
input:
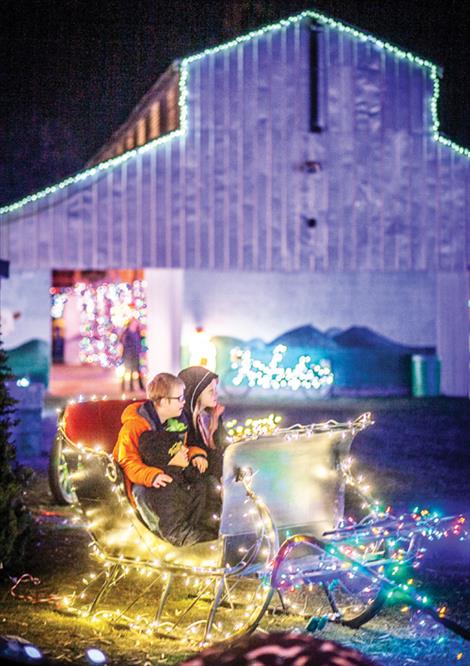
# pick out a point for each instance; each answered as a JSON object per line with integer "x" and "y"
{"x": 91, "y": 312}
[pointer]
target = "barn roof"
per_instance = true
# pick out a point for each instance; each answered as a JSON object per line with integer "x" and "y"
{"x": 322, "y": 19}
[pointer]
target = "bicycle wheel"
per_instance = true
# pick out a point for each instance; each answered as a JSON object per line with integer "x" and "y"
{"x": 355, "y": 596}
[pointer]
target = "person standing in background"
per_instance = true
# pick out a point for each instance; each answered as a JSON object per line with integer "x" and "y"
{"x": 131, "y": 340}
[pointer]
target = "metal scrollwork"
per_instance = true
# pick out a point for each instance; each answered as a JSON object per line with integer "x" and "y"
{"x": 111, "y": 471}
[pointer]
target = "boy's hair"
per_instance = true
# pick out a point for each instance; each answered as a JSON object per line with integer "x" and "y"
{"x": 162, "y": 385}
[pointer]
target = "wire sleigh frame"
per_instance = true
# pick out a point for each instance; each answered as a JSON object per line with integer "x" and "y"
{"x": 274, "y": 486}
{"x": 287, "y": 488}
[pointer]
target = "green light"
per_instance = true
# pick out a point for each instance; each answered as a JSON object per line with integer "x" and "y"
{"x": 183, "y": 97}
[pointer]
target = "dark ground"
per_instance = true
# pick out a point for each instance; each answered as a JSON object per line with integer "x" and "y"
{"x": 416, "y": 453}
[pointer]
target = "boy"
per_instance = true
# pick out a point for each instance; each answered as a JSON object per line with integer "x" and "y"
{"x": 154, "y": 460}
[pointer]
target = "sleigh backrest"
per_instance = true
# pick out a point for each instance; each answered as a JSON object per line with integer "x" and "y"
{"x": 296, "y": 473}
{"x": 95, "y": 424}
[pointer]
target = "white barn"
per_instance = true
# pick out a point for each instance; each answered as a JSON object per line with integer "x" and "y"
{"x": 294, "y": 175}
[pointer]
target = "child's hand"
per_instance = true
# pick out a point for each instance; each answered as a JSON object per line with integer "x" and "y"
{"x": 216, "y": 413}
{"x": 200, "y": 463}
{"x": 161, "y": 480}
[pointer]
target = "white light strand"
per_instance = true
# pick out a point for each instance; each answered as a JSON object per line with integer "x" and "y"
{"x": 183, "y": 98}
{"x": 305, "y": 374}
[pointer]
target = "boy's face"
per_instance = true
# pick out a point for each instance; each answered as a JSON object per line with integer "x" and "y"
{"x": 172, "y": 406}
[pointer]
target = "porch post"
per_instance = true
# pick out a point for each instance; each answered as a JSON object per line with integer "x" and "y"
{"x": 165, "y": 289}
{"x": 452, "y": 332}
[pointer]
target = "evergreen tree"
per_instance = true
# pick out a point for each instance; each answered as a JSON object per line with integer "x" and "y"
{"x": 15, "y": 519}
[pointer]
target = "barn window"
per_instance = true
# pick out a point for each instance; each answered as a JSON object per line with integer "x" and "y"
{"x": 172, "y": 108}
{"x": 154, "y": 120}
{"x": 130, "y": 140}
{"x": 141, "y": 133}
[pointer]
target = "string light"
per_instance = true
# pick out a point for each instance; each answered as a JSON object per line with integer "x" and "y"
{"x": 203, "y": 570}
{"x": 104, "y": 311}
{"x": 350, "y": 557}
{"x": 183, "y": 104}
{"x": 256, "y": 373}
{"x": 376, "y": 551}
{"x": 253, "y": 428}
{"x": 59, "y": 298}
{"x": 266, "y": 543}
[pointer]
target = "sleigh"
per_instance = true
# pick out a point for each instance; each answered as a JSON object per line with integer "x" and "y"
{"x": 288, "y": 487}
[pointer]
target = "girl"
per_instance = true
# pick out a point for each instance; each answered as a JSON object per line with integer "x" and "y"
{"x": 206, "y": 431}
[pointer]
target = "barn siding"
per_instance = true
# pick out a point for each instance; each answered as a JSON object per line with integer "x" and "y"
{"x": 232, "y": 195}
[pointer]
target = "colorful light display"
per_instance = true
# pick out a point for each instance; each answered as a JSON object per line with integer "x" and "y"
{"x": 198, "y": 574}
{"x": 105, "y": 309}
{"x": 59, "y": 298}
{"x": 305, "y": 373}
{"x": 350, "y": 558}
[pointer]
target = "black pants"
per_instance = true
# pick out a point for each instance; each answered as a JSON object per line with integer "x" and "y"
{"x": 176, "y": 512}
{"x": 212, "y": 512}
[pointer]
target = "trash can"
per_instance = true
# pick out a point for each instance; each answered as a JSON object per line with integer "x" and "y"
{"x": 26, "y": 434}
{"x": 425, "y": 375}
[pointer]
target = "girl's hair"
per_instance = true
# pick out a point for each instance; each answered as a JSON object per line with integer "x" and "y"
{"x": 162, "y": 386}
{"x": 198, "y": 401}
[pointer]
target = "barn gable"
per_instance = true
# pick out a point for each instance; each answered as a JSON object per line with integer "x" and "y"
{"x": 233, "y": 187}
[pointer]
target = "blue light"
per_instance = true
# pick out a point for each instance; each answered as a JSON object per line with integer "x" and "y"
{"x": 33, "y": 652}
{"x": 23, "y": 381}
{"x": 95, "y": 656}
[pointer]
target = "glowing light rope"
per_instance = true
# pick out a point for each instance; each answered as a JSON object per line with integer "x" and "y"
{"x": 351, "y": 563}
{"x": 253, "y": 428}
{"x": 183, "y": 98}
{"x": 271, "y": 375}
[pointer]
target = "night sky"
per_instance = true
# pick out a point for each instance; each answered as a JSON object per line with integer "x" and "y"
{"x": 72, "y": 70}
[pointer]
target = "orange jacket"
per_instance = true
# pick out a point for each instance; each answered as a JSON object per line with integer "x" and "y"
{"x": 126, "y": 450}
